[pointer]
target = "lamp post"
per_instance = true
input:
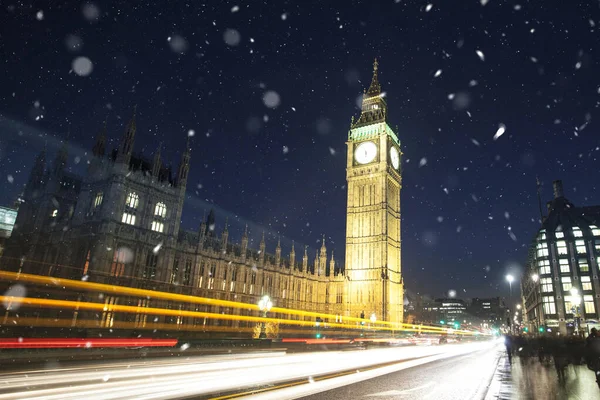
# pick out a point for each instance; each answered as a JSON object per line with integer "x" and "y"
{"x": 264, "y": 305}
{"x": 510, "y": 280}
{"x": 575, "y": 302}
{"x": 537, "y": 311}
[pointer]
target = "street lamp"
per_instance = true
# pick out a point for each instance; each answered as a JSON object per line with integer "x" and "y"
{"x": 575, "y": 302}
{"x": 535, "y": 277}
{"x": 264, "y": 305}
{"x": 510, "y": 280}
{"x": 373, "y": 318}
{"x": 518, "y": 306}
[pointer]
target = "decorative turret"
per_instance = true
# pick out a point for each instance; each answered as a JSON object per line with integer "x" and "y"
{"x": 292, "y": 257}
{"x": 261, "y": 255}
{"x": 331, "y": 265}
{"x": 316, "y": 264}
{"x": 202, "y": 232}
{"x": 100, "y": 145}
{"x": 278, "y": 253}
{"x": 126, "y": 146}
{"x": 156, "y": 162}
{"x": 61, "y": 159}
{"x": 374, "y": 108}
{"x": 225, "y": 237}
{"x": 184, "y": 166}
{"x": 305, "y": 260}
{"x": 322, "y": 259}
{"x": 245, "y": 243}
{"x": 36, "y": 177}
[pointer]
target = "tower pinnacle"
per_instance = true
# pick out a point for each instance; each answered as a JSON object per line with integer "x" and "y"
{"x": 375, "y": 88}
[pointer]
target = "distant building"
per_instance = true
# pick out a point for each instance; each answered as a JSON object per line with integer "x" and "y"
{"x": 490, "y": 312}
{"x": 564, "y": 255}
{"x": 8, "y": 217}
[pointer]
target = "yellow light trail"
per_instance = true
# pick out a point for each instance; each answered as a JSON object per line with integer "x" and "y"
{"x": 114, "y": 308}
{"x": 124, "y": 290}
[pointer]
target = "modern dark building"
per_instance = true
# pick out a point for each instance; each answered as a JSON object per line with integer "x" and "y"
{"x": 560, "y": 289}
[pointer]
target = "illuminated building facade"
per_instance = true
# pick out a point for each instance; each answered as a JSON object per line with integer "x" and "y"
{"x": 373, "y": 172}
{"x": 120, "y": 224}
{"x": 562, "y": 267}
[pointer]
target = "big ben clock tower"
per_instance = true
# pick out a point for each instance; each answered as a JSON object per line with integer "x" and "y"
{"x": 374, "y": 175}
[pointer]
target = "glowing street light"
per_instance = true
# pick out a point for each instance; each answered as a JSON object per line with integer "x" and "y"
{"x": 518, "y": 306}
{"x": 373, "y": 318}
{"x": 535, "y": 277}
{"x": 264, "y": 305}
{"x": 510, "y": 280}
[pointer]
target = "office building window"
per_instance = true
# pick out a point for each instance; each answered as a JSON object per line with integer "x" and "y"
{"x": 549, "y": 305}
{"x": 542, "y": 250}
{"x": 566, "y": 283}
{"x": 595, "y": 230}
{"x": 559, "y": 234}
{"x": 583, "y": 265}
{"x": 564, "y": 265}
{"x": 588, "y": 303}
{"x": 561, "y": 247}
{"x": 586, "y": 283}
{"x": 546, "y": 284}
{"x": 542, "y": 235}
{"x": 132, "y": 200}
{"x": 160, "y": 210}
{"x": 544, "y": 267}
{"x": 580, "y": 246}
{"x": 128, "y": 218}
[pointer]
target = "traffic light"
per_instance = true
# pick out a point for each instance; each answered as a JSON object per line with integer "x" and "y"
{"x": 318, "y": 336}
{"x": 456, "y": 325}
{"x": 541, "y": 329}
{"x": 526, "y": 329}
{"x": 442, "y": 322}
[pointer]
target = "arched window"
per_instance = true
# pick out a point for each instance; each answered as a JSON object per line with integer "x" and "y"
{"x": 132, "y": 200}
{"x": 160, "y": 210}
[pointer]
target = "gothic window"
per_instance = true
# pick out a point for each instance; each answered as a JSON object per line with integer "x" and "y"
{"x": 157, "y": 226}
{"x": 564, "y": 265}
{"x": 98, "y": 200}
{"x": 150, "y": 267}
{"x": 588, "y": 303}
{"x": 86, "y": 265}
{"x": 175, "y": 270}
{"x": 583, "y": 265}
{"x": 160, "y": 210}
{"x": 586, "y": 283}
{"x": 132, "y": 200}
{"x": 117, "y": 267}
{"x": 577, "y": 232}
{"x": 187, "y": 272}
{"x": 128, "y": 218}
{"x": 580, "y": 246}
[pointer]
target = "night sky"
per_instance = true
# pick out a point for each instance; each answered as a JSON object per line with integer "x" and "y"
{"x": 268, "y": 89}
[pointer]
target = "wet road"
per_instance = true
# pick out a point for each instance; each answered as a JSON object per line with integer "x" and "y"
{"x": 461, "y": 377}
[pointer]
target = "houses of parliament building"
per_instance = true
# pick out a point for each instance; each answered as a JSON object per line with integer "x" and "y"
{"x": 119, "y": 224}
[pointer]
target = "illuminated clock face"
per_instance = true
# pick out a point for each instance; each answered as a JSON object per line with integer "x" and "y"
{"x": 395, "y": 157}
{"x": 365, "y": 152}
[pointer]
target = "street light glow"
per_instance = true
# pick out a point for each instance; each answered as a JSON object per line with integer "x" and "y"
{"x": 518, "y": 306}
{"x": 535, "y": 277}
{"x": 510, "y": 278}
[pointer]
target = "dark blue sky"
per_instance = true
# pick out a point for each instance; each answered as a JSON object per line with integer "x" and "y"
{"x": 469, "y": 202}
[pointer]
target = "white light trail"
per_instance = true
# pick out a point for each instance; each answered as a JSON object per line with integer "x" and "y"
{"x": 174, "y": 378}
